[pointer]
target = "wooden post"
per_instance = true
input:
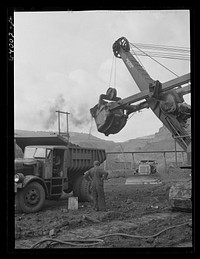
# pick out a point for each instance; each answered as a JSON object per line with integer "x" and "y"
{"x": 104, "y": 165}
{"x": 133, "y": 160}
{"x": 67, "y": 115}
{"x": 182, "y": 157}
{"x": 175, "y": 152}
{"x": 165, "y": 161}
{"x": 58, "y": 122}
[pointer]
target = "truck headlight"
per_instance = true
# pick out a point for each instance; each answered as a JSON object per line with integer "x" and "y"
{"x": 18, "y": 178}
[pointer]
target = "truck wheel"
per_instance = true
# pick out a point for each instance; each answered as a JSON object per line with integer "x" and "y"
{"x": 31, "y": 198}
{"x": 81, "y": 189}
{"x": 86, "y": 190}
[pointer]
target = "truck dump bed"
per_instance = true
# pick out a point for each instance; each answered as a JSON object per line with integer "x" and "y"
{"x": 82, "y": 159}
{"x": 33, "y": 140}
{"x": 79, "y": 159}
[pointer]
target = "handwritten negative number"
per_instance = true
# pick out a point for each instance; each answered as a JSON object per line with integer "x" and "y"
{"x": 11, "y": 46}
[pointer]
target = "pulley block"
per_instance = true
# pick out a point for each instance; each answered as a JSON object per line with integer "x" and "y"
{"x": 120, "y": 43}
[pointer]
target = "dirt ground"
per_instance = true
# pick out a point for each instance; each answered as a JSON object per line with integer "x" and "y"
{"x": 137, "y": 216}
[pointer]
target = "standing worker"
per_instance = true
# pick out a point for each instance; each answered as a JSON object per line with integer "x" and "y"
{"x": 97, "y": 175}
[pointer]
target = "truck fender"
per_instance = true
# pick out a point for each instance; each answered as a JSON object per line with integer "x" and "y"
{"x": 31, "y": 178}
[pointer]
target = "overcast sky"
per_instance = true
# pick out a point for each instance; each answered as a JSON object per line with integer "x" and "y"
{"x": 63, "y": 62}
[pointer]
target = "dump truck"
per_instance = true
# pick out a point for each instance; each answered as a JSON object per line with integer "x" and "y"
{"x": 164, "y": 99}
{"x": 50, "y": 166}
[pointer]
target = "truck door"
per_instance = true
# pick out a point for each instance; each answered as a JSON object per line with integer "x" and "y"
{"x": 48, "y": 164}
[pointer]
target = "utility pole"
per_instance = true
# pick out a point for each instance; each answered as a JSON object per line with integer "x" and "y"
{"x": 175, "y": 151}
{"x": 67, "y": 114}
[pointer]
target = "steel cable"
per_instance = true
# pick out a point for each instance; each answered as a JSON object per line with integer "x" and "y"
{"x": 98, "y": 240}
{"x": 163, "y": 51}
{"x": 113, "y": 60}
{"x": 164, "y": 55}
{"x": 155, "y": 60}
{"x": 163, "y": 47}
{"x": 150, "y": 236}
{"x": 138, "y": 58}
{"x": 74, "y": 242}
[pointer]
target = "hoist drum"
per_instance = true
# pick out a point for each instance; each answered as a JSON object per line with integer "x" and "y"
{"x": 109, "y": 122}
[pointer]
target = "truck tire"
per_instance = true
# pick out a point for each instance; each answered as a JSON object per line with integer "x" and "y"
{"x": 86, "y": 190}
{"x": 81, "y": 189}
{"x": 31, "y": 198}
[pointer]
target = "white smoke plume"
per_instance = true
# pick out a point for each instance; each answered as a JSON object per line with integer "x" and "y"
{"x": 81, "y": 116}
{"x": 52, "y": 116}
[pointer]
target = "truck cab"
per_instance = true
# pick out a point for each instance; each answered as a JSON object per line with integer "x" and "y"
{"x": 50, "y": 166}
{"x": 51, "y": 159}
